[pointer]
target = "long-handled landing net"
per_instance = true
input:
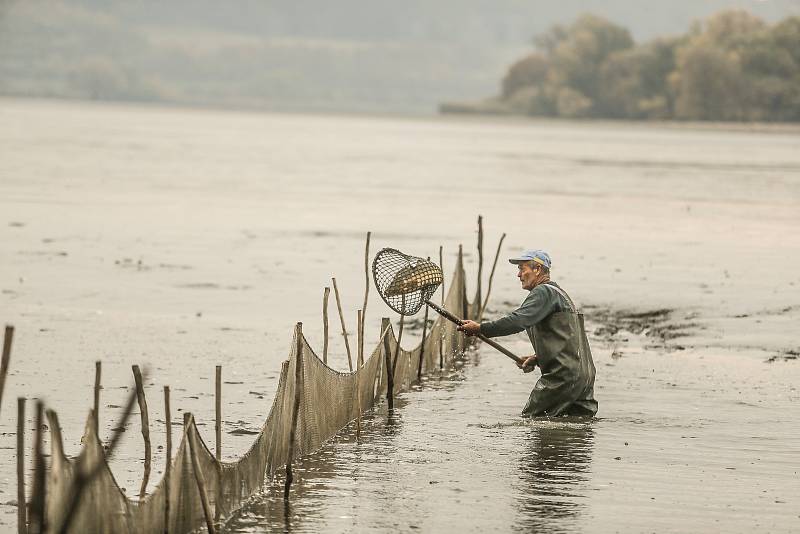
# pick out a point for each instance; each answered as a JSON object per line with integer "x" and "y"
{"x": 406, "y": 283}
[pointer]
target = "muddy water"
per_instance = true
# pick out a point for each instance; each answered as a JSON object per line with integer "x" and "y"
{"x": 181, "y": 239}
{"x": 672, "y": 451}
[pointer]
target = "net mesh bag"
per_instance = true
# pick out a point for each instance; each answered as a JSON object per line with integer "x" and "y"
{"x": 327, "y": 400}
{"x": 405, "y": 282}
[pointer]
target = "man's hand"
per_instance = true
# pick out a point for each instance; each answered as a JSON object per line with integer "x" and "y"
{"x": 470, "y": 328}
{"x": 528, "y": 364}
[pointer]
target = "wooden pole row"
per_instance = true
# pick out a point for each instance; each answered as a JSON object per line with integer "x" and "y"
{"x": 360, "y": 322}
{"x": 83, "y": 477}
{"x": 37, "y": 503}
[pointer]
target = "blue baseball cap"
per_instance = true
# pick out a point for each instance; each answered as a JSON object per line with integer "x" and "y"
{"x": 539, "y": 256}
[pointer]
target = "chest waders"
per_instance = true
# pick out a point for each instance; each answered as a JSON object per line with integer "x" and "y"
{"x": 566, "y": 386}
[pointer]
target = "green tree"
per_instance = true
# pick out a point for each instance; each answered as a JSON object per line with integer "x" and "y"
{"x": 708, "y": 83}
{"x": 771, "y": 66}
{"x": 727, "y": 27}
{"x": 731, "y": 66}
{"x": 634, "y": 82}
{"x": 578, "y": 57}
{"x": 529, "y": 71}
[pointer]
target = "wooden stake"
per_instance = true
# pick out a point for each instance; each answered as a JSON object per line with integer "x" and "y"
{"x": 218, "y": 411}
{"x": 298, "y": 386}
{"x": 200, "y": 480}
{"x": 22, "y": 513}
{"x": 491, "y": 277}
{"x": 168, "y": 468}
{"x": 478, "y": 295}
{"x": 137, "y": 376}
{"x": 98, "y": 369}
{"x": 441, "y": 339}
{"x": 344, "y": 330}
{"x": 359, "y": 340}
{"x": 366, "y": 297}
{"x": 82, "y": 478}
{"x": 387, "y": 356}
{"x": 360, "y": 336}
{"x": 38, "y": 518}
{"x": 460, "y": 267}
{"x": 399, "y": 338}
{"x": 7, "y": 338}
{"x": 218, "y": 436}
{"x": 422, "y": 345}
{"x": 441, "y": 266}
{"x": 325, "y": 324}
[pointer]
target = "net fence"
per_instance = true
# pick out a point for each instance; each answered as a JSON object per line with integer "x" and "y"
{"x": 327, "y": 400}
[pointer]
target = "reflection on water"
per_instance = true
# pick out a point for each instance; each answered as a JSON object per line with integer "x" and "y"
{"x": 420, "y": 467}
{"x": 554, "y": 465}
{"x": 319, "y": 477}
{"x": 390, "y": 479}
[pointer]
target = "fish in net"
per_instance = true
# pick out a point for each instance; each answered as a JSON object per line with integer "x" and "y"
{"x": 405, "y": 282}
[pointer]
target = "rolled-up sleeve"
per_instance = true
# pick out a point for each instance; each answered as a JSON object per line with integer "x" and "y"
{"x": 539, "y": 303}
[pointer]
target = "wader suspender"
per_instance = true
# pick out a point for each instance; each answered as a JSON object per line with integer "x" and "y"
{"x": 564, "y": 294}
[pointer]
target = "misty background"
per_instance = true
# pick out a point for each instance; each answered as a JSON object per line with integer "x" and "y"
{"x": 349, "y": 55}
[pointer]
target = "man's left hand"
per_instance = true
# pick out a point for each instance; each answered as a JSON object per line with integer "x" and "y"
{"x": 470, "y": 328}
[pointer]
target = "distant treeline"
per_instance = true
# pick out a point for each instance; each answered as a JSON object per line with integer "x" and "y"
{"x": 731, "y": 67}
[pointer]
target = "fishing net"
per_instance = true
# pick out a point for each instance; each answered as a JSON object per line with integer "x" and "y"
{"x": 405, "y": 282}
{"x": 327, "y": 401}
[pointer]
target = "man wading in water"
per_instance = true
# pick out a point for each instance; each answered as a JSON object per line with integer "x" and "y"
{"x": 556, "y": 331}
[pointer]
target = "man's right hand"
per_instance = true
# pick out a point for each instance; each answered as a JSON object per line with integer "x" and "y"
{"x": 470, "y": 328}
{"x": 528, "y": 364}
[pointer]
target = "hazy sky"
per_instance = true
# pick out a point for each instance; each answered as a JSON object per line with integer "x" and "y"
{"x": 349, "y": 55}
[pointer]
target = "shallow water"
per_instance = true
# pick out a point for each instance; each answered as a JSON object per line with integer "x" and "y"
{"x": 182, "y": 239}
{"x": 663, "y": 456}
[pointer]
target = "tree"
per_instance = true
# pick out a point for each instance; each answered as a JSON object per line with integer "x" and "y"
{"x": 633, "y": 82}
{"x": 731, "y": 66}
{"x": 708, "y": 83}
{"x": 529, "y": 71}
{"x": 577, "y": 59}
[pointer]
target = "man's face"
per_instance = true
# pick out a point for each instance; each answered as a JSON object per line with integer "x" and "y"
{"x": 528, "y": 275}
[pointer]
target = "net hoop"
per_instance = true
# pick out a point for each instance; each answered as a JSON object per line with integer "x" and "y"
{"x": 405, "y": 282}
